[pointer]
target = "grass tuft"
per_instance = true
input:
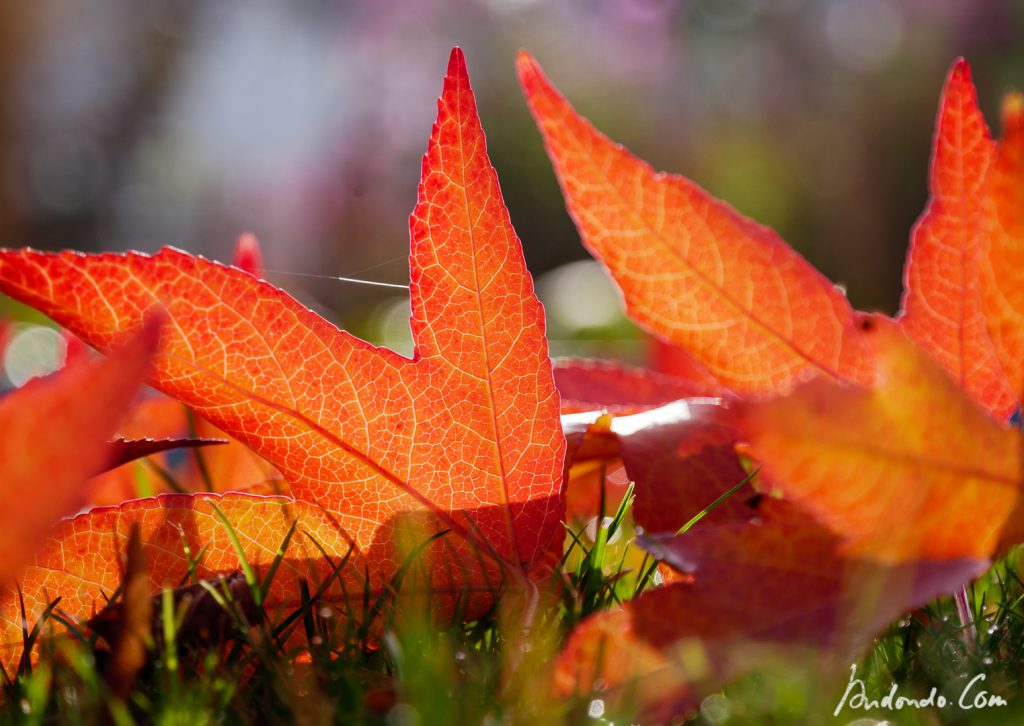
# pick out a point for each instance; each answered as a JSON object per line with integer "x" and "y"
{"x": 365, "y": 655}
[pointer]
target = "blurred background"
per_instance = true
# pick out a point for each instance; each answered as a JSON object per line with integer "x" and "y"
{"x": 138, "y": 123}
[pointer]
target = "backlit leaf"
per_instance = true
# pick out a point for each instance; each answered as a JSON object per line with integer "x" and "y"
{"x": 681, "y": 457}
{"x": 691, "y": 269}
{"x": 123, "y": 451}
{"x": 54, "y": 437}
{"x": 589, "y": 385}
{"x": 464, "y": 438}
{"x": 751, "y": 593}
{"x": 910, "y": 469}
{"x": 1003, "y": 271}
{"x": 942, "y": 298}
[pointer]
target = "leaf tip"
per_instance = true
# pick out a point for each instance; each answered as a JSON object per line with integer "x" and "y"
{"x": 525, "y": 62}
{"x": 1013, "y": 113}
{"x": 960, "y": 72}
{"x": 457, "y": 63}
{"x": 530, "y": 74}
{"x": 248, "y": 256}
{"x": 538, "y": 89}
{"x": 958, "y": 92}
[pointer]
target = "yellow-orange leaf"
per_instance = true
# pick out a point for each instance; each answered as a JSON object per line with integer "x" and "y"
{"x": 910, "y": 469}
{"x": 84, "y": 560}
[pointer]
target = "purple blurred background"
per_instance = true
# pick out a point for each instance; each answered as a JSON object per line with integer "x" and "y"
{"x": 138, "y": 123}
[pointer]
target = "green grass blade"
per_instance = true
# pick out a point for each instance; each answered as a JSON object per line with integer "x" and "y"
{"x": 714, "y": 505}
{"x": 247, "y": 570}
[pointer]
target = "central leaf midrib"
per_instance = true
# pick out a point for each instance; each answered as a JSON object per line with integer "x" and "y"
{"x": 488, "y": 383}
{"x": 962, "y": 298}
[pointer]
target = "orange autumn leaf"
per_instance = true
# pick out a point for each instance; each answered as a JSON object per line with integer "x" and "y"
{"x": 910, "y": 469}
{"x": 229, "y": 467}
{"x": 153, "y": 415}
{"x": 55, "y": 434}
{"x": 1003, "y": 272}
{"x": 692, "y": 270}
{"x": 750, "y": 593}
{"x": 671, "y": 360}
{"x": 588, "y": 385}
{"x": 681, "y": 457}
{"x": 682, "y": 463}
{"x": 942, "y": 298}
{"x": 83, "y": 562}
{"x": 464, "y": 437}
{"x": 124, "y": 451}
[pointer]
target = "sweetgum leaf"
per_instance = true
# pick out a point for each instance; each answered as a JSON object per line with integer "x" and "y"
{"x": 749, "y": 309}
{"x": 1003, "y": 265}
{"x": 55, "y": 432}
{"x": 230, "y": 466}
{"x": 123, "y": 451}
{"x": 587, "y": 385}
{"x": 910, "y": 469}
{"x": 671, "y": 360}
{"x": 464, "y": 438}
{"x": 901, "y": 488}
{"x": 751, "y": 593}
{"x": 681, "y": 456}
{"x": 942, "y": 298}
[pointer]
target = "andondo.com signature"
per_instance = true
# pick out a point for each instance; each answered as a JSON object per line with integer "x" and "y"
{"x": 972, "y": 697}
